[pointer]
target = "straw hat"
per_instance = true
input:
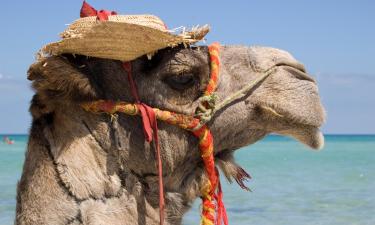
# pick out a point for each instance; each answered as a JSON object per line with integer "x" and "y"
{"x": 121, "y": 37}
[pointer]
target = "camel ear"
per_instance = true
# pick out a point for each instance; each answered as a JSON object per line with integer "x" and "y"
{"x": 56, "y": 80}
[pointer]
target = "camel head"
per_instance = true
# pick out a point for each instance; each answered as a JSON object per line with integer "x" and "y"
{"x": 97, "y": 154}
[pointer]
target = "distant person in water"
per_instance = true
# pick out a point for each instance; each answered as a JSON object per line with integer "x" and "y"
{"x": 8, "y": 140}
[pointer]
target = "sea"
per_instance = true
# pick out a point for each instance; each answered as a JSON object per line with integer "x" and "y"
{"x": 290, "y": 185}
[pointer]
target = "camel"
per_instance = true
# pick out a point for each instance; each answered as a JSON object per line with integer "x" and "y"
{"x": 95, "y": 168}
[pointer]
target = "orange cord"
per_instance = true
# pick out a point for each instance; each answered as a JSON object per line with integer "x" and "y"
{"x": 211, "y": 192}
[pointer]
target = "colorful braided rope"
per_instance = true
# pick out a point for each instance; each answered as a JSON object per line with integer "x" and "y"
{"x": 211, "y": 191}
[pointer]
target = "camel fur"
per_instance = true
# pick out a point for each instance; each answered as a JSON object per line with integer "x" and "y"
{"x": 86, "y": 168}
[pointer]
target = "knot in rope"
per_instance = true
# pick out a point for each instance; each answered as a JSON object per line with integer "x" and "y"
{"x": 213, "y": 207}
{"x": 213, "y": 210}
{"x": 206, "y": 108}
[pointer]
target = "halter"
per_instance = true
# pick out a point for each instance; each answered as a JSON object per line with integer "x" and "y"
{"x": 211, "y": 192}
{"x": 213, "y": 209}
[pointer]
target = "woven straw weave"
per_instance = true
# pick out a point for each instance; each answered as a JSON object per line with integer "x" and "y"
{"x": 120, "y": 37}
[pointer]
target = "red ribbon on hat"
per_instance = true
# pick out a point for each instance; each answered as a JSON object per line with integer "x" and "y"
{"x": 88, "y": 10}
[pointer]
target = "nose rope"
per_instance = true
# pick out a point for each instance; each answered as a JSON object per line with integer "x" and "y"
{"x": 208, "y": 106}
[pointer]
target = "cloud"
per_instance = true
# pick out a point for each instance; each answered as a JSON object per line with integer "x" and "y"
{"x": 5, "y": 77}
{"x": 11, "y": 87}
{"x": 11, "y": 79}
{"x": 350, "y": 88}
{"x": 347, "y": 78}
{"x": 348, "y": 100}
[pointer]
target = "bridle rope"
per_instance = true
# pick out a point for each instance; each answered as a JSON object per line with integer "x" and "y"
{"x": 213, "y": 209}
{"x": 208, "y": 106}
{"x": 196, "y": 124}
{"x": 211, "y": 191}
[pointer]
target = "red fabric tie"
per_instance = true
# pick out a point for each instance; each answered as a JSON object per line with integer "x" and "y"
{"x": 150, "y": 130}
{"x": 150, "y": 126}
{"x": 88, "y": 10}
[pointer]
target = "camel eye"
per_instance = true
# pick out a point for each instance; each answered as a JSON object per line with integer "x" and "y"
{"x": 181, "y": 82}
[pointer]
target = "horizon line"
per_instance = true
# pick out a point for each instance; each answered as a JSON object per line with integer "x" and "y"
{"x": 271, "y": 134}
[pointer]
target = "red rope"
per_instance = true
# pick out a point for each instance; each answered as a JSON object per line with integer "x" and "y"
{"x": 212, "y": 191}
{"x": 150, "y": 130}
{"x": 150, "y": 126}
{"x": 221, "y": 211}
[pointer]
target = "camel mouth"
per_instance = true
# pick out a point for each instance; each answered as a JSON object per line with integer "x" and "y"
{"x": 309, "y": 135}
{"x": 296, "y": 111}
{"x": 302, "y": 129}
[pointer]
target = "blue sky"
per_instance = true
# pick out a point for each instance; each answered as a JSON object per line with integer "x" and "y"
{"x": 334, "y": 39}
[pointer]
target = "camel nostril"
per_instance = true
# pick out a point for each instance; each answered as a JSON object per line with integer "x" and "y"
{"x": 298, "y": 73}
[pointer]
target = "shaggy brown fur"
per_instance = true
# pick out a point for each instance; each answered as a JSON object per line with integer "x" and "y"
{"x": 84, "y": 168}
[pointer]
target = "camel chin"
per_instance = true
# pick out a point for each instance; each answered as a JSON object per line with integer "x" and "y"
{"x": 308, "y": 135}
{"x": 286, "y": 124}
{"x": 315, "y": 139}
{"x": 302, "y": 129}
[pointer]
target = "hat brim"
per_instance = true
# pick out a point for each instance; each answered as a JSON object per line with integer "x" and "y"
{"x": 120, "y": 41}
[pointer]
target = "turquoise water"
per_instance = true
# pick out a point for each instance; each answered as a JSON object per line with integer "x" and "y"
{"x": 291, "y": 184}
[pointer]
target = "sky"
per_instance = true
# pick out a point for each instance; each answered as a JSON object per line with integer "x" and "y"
{"x": 334, "y": 39}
